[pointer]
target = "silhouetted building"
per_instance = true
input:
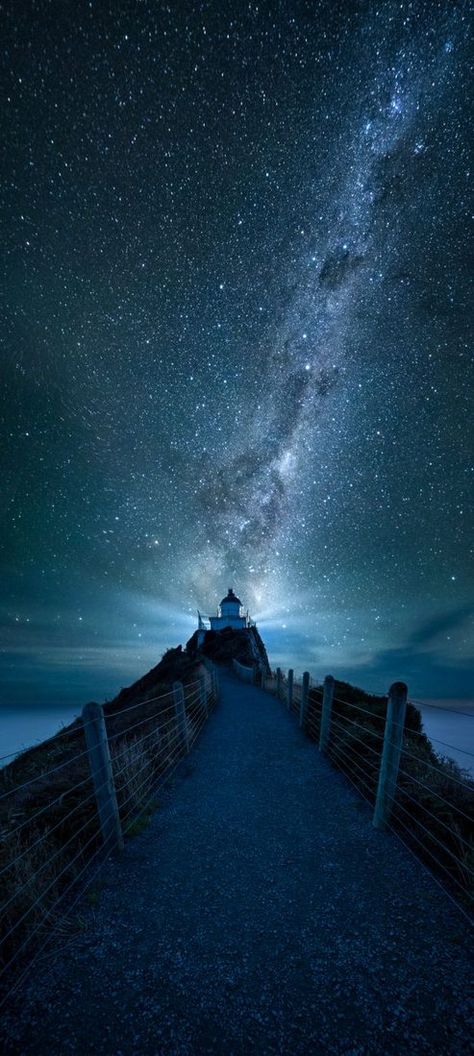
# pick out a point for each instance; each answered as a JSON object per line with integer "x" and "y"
{"x": 230, "y": 613}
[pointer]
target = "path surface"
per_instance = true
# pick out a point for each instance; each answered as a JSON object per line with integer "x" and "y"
{"x": 259, "y": 913}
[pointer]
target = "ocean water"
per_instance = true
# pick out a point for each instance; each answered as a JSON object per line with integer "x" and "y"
{"x": 33, "y": 709}
{"x": 21, "y": 727}
{"x": 444, "y": 723}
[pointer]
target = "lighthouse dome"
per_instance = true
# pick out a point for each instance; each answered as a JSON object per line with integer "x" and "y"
{"x": 229, "y": 614}
{"x": 230, "y": 600}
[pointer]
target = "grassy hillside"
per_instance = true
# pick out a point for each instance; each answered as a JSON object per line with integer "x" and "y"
{"x": 48, "y": 819}
{"x": 434, "y": 804}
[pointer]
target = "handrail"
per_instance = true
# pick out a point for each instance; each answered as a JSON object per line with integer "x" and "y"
{"x": 344, "y": 741}
{"x": 244, "y": 671}
{"x": 140, "y": 761}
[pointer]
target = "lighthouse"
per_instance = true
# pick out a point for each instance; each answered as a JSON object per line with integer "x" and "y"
{"x": 230, "y": 613}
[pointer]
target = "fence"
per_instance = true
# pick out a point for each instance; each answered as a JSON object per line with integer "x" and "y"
{"x": 247, "y": 674}
{"x": 422, "y": 796}
{"x": 59, "y": 826}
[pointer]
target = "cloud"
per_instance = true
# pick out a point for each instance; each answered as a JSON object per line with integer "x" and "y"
{"x": 418, "y": 662}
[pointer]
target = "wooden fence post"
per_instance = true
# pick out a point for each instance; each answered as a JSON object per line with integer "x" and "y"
{"x": 211, "y": 669}
{"x": 100, "y": 765}
{"x": 203, "y": 695}
{"x": 328, "y": 694}
{"x": 180, "y": 708}
{"x": 304, "y": 698}
{"x": 392, "y": 747}
{"x": 278, "y": 683}
{"x": 289, "y": 699}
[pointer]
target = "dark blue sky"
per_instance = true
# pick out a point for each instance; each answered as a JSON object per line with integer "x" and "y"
{"x": 236, "y": 276}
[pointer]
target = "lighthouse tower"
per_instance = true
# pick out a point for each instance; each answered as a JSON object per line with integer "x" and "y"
{"x": 229, "y": 614}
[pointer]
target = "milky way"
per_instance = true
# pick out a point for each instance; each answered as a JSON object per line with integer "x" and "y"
{"x": 238, "y": 322}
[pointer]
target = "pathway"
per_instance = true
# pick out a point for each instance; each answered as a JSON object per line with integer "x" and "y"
{"x": 260, "y": 913}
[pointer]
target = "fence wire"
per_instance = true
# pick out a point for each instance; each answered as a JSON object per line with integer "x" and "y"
{"x": 445, "y": 836}
{"x": 38, "y": 876}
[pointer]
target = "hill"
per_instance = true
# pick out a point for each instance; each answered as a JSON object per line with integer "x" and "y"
{"x": 222, "y": 647}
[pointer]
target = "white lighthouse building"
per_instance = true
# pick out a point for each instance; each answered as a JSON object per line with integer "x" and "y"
{"x": 230, "y": 613}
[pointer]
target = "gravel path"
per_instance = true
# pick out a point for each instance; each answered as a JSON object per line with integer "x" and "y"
{"x": 259, "y": 913}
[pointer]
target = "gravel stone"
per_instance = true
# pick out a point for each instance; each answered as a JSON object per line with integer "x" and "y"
{"x": 260, "y": 912}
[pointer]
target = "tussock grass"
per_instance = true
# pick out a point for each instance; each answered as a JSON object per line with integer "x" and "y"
{"x": 49, "y": 828}
{"x": 135, "y": 765}
{"x": 434, "y": 804}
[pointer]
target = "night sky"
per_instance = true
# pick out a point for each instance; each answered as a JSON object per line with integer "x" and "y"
{"x": 236, "y": 339}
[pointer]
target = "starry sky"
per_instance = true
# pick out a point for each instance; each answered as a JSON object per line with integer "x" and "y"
{"x": 235, "y": 347}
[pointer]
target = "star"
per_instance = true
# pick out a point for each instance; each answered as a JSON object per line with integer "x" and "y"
{"x": 307, "y": 434}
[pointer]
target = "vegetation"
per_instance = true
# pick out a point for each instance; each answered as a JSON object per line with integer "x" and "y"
{"x": 434, "y": 804}
{"x": 49, "y": 832}
{"x": 231, "y": 644}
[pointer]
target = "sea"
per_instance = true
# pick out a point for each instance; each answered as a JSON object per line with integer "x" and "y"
{"x": 21, "y": 727}
{"x": 450, "y": 728}
{"x": 448, "y": 724}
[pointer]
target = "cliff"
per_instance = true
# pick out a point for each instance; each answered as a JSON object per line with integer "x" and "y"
{"x": 222, "y": 647}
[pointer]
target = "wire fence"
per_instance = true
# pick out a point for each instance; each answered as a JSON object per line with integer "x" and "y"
{"x": 54, "y": 836}
{"x": 425, "y": 798}
{"x": 244, "y": 672}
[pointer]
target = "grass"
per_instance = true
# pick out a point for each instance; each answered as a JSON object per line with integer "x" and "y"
{"x": 434, "y": 804}
{"x": 138, "y": 825}
{"x": 49, "y": 828}
{"x": 92, "y": 897}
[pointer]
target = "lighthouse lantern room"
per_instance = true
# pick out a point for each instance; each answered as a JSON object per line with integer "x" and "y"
{"x": 229, "y": 614}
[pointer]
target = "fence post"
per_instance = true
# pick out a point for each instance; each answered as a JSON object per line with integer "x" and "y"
{"x": 211, "y": 668}
{"x": 100, "y": 765}
{"x": 328, "y": 694}
{"x": 203, "y": 695}
{"x": 289, "y": 700}
{"x": 278, "y": 683}
{"x": 180, "y": 708}
{"x": 392, "y": 747}
{"x": 304, "y": 698}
